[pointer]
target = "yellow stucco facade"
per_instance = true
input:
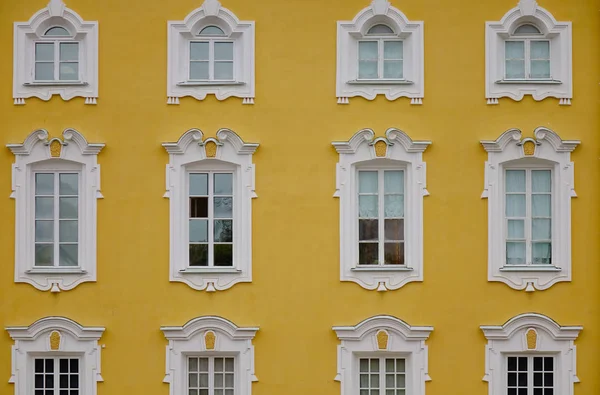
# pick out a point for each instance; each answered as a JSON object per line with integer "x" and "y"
{"x": 296, "y": 295}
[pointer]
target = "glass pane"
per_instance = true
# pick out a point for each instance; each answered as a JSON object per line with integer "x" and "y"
{"x": 364, "y": 365}
{"x": 541, "y": 229}
{"x": 199, "y": 51}
{"x": 44, "y": 231}
{"x": 218, "y": 392}
{"x": 515, "y": 205}
{"x": 538, "y": 379}
{"x": 67, "y": 208}
{"x": 542, "y": 253}
{"x": 68, "y": 255}
{"x": 367, "y": 69}
{"x": 393, "y": 69}
{"x": 394, "y": 206}
{"x": 44, "y": 71}
{"x": 515, "y": 69}
{"x": 394, "y": 253}
{"x": 515, "y": 181}
{"x": 394, "y": 229}
{"x": 74, "y": 365}
{"x": 49, "y": 365}
{"x": 218, "y": 364}
{"x": 380, "y": 29}
{"x": 368, "y": 253}
{"x": 548, "y": 379}
{"x": 44, "y": 52}
{"x": 541, "y": 181}
{"x": 199, "y": 207}
{"x": 527, "y": 29}
{"x": 57, "y": 31}
{"x": 516, "y": 229}
{"x": 219, "y": 380}
{"x": 515, "y": 50}
{"x": 198, "y": 255}
{"x": 512, "y": 365}
{"x": 198, "y": 231}
{"x": 541, "y": 206}
{"x": 224, "y": 231}
{"x": 69, "y": 71}
{"x": 203, "y": 392}
{"x": 223, "y": 207}
{"x": 374, "y": 378}
{"x": 368, "y": 50}
{"x": 512, "y": 379}
{"x": 49, "y": 383}
{"x": 367, "y": 182}
{"x": 193, "y": 392}
{"x": 368, "y": 229}
{"x": 44, "y": 255}
{"x": 193, "y": 364}
{"x": 538, "y": 364}
{"x": 223, "y": 51}
{"x": 74, "y": 381}
{"x": 522, "y": 364}
{"x": 364, "y": 381}
{"x": 392, "y": 49}
{"x": 211, "y": 31}
{"x": 393, "y": 181}
{"x": 223, "y": 70}
{"x": 69, "y": 51}
{"x": 548, "y": 363}
{"x": 203, "y": 364}
{"x": 193, "y": 380}
{"x": 401, "y": 380}
{"x": 203, "y": 380}
{"x": 39, "y": 365}
{"x": 229, "y": 392}
{"x": 400, "y": 365}
{"x": 44, "y": 184}
{"x": 390, "y": 381}
{"x": 522, "y": 379}
{"x": 540, "y": 50}
{"x": 68, "y": 231}
{"x": 199, "y": 70}
{"x": 229, "y": 364}
{"x": 44, "y": 207}
{"x": 68, "y": 184}
{"x": 199, "y": 184}
{"x": 515, "y": 253}
{"x": 224, "y": 184}
{"x": 368, "y": 206}
{"x": 389, "y": 365}
{"x": 540, "y": 69}
{"x": 223, "y": 255}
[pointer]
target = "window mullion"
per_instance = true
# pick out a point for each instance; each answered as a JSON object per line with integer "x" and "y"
{"x": 211, "y": 220}
{"x": 529, "y": 222}
{"x": 211, "y": 60}
{"x": 56, "y": 376}
{"x": 382, "y": 386}
{"x": 211, "y": 375}
{"x": 530, "y": 375}
{"x": 381, "y": 216}
{"x": 528, "y": 59}
{"x": 380, "y": 59}
{"x": 56, "y": 60}
{"x": 56, "y": 219}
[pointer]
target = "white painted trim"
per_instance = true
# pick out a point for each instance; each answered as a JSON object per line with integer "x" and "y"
{"x": 34, "y": 155}
{"x": 348, "y": 35}
{"x": 189, "y": 340}
{"x": 551, "y": 338}
{"x": 25, "y": 35}
{"x": 560, "y": 36}
{"x": 402, "y": 340}
{"x": 180, "y": 33}
{"x": 189, "y": 152}
{"x": 34, "y": 341}
{"x": 360, "y": 151}
{"x": 508, "y": 149}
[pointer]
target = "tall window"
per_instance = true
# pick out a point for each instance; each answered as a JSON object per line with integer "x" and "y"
{"x": 530, "y": 375}
{"x": 211, "y": 219}
{"x": 212, "y": 58}
{"x": 527, "y": 56}
{"x": 379, "y": 376}
{"x": 528, "y": 216}
{"x": 56, "y": 219}
{"x": 56, "y": 376}
{"x": 57, "y": 56}
{"x": 211, "y": 376}
{"x": 381, "y": 217}
{"x": 380, "y": 56}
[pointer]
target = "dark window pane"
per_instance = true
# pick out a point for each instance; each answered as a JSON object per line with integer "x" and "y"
{"x": 74, "y": 381}
{"x": 512, "y": 364}
{"x": 199, "y": 207}
{"x": 63, "y": 365}
{"x": 39, "y": 365}
{"x": 74, "y": 392}
{"x": 39, "y": 392}
{"x": 223, "y": 255}
{"x": 512, "y": 379}
{"x": 548, "y": 364}
{"x": 64, "y": 381}
{"x": 49, "y": 365}
{"x": 198, "y": 255}
{"x": 394, "y": 229}
{"x": 522, "y": 364}
{"x": 64, "y": 392}
{"x": 537, "y": 379}
{"x": 368, "y": 253}
{"x": 74, "y": 365}
{"x": 224, "y": 231}
{"x": 538, "y": 391}
{"x": 512, "y": 391}
{"x": 49, "y": 392}
{"x": 537, "y": 364}
{"x": 522, "y": 379}
{"x": 548, "y": 379}
{"x": 368, "y": 229}
{"x": 39, "y": 381}
{"x": 548, "y": 391}
{"x": 522, "y": 391}
{"x": 49, "y": 381}
{"x": 394, "y": 253}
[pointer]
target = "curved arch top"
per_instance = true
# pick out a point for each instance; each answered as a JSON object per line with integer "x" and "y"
{"x": 534, "y": 320}
{"x": 48, "y": 324}
{"x": 202, "y": 323}
{"x": 385, "y": 322}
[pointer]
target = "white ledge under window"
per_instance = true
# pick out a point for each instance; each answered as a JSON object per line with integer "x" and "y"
{"x": 210, "y": 83}
{"x": 530, "y": 268}
{"x": 540, "y": 82}
{"x": 383, "y": 268}
{"x": 58, "y": 270}
{"x": 56, "y": 83}
{"x": 207, "y": 270}
{"x": 380, "y": 82}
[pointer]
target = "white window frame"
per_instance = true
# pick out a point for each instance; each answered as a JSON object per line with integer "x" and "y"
{"x": 53, "y": 337}
{"x": 182, "y": 33}
{"x": 27, "y": 34}
{"x": 56, "y": 374}
{"x": 527, "y": 40}
{"x": 559, "y": 35}
{"x": 382, "y": 336}
{"x": 35, "y": 155}
{"x": 401, "y": 152}
{"x": 530, "y": 369}
{"x": 187, "y": 155}
{"x": 531, "y": 334}
{"x": 381, "y": 39}
{"x": 349, "y": 33}
{"x": 209, "y": 336}
{"x": 550, "y": 152}
{"x": 57, "y": 41}
{"x": 211, "y": 41}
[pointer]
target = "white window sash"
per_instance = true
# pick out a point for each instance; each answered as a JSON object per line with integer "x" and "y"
{"x": 530, "y": 371}
{"x": 211, "y": 57}
{"x": 56, "y": 374}
{"x": 527, "y": 57}
{"x": 380, "y": 57}
{"x": 56, "y": 60}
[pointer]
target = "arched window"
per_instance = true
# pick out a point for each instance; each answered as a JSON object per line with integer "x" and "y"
{"x": 527, "y": 55}
{"x": 56, "y": 56}
{"x": 380, "y": 29}
{"x": 211, "y": 31}
{"x": 211, "y": 57}
{"x": 379, "y": 55}
{"x": 57, "y": 31}
{"x": 527, "y": 29}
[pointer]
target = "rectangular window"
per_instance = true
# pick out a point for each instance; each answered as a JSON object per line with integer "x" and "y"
{"x": 378, "y": 376}
{"x": 56, "y": 376}
{"x": 528, "y": 214}
{"x": 56, "y": 61}
{"x": 211, "y": 60}
{"x": 56, "y": 219}
{"x": 527, "y": 59}
{"x": 381, "y": 231}
{"x": 380, "y": 59}
{"x": 211, "y": 376}
{"x": 211, "y": 219}
{"x": 530, "y": 375}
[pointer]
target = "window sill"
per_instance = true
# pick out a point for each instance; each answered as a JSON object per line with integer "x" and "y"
{"x": 57, "y": 270}
{"x": 380, "y": 82}
{"x": 210, "y": 270}
{"x": 211, "y": 83}
{"x": 387, "y": 268}
{"x": 532, "y": 81}
{"x": 530, "y": 268}
{"x": 56, "y": 83}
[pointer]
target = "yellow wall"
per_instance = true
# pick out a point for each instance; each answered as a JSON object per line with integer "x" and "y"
{"x": 295, "y": 224}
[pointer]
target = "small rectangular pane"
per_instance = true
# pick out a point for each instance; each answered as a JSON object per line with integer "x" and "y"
{"x": 223, "y": 231}
{"x": 541, "y": 181}
{"x": 198, "y": 184}
{"x": 68, "y": 255}
{"x": 389, "y": 365}
{"x": 515, "y": 50}
{"x": 512, "y": 366}
{"x": 401, "y": 380}
{"x": 49, "y": 365}
{"x": 44, "y": 231}
{"x": 69, "y": 71}
{"x": 44, "y": 208}
{"x": 400, "y": 365}
{"x": 367, "y": 182}
{"x": 540, "y": 50}
{"x": 515, "y": 253}
{"x": 541, "y": 229}
{"x": 198, "y": 231}
{"x": 193, "y": 392}
{"x": 229, "y": 392}
{"x": 199, "y": 207}
{"x": 39, "y": 365}
{"x": 44, "y": 52}
{"x": 203, "y": 380}
{"x": 515, "y": 69}
{"x": 515, "y": 181}
{"x": 368, "y": 253}
{"x": 223, "y": 51}
{"x": 224, "y": 71}
{"x": 68, "y": 208}
{"x": 394, "y": 229}
{"x": 516, "y": 229}
{"x": 394, "y": 206}
{"x": 541, "y": 206}
{"x": 193, "y": 364}
{"x": 68, "y": 184}
{"x": 368, "y": 206}
{"x": 390, "y": 381}
{"x": 199, "y": 51}
{"x": 394, "y": 253}
{"x": 44, "y": 255}
{"x": 515, "y": 206}
{"x": 44, "y": 184}
{"x": 392, "y": 49}
{"x": 219, "y": 380}
{"x": 203, "y": 364}
{"x": 223, "y": 184}
{"x": 229, "y": 365}
{"x": 540, "y": 69}
{"x": 393, "y": 182}
{"x": 218, "y": 364}
{"x": 69, "y": 51}
{"x": 393, "y": 69}
{"x": 374, "y": 378}
{"x": 368, "y": 229}
{"x": 68, "y": 231}
{"x": 542, "y": 253}
{"x": 538, "y": 364}
{"x": 223, "y": 207}
{"x": 193, "y": 379}
{"x": 74, "y": 381}
{"x": 364, "y": 365}
{"x": 367, "y": 69}
{"x": 199, "y": 70}
{"x": 368, "y": 50}
{"x": 44, "y": 71}
{"x": 198, "y": 255}
{"x": 548, "y": 364}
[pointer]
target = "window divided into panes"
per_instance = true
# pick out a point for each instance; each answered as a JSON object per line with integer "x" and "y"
{"x": 211, "y": 219}
{"x": 527, "y": 58}
{"x": 528, "y": 214}
{"x": 56, "y": 376}
{"x": 382, "y": 376}
{"x": 380, "y": 58}
{"x": 56, "y": 219}
{"x": 56, "y": 59}
{"x": 211, "y": 59}
{"x": 381, "y": 217}
{"x": 530, "y": 375}
{"x": 211, "y": 376}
